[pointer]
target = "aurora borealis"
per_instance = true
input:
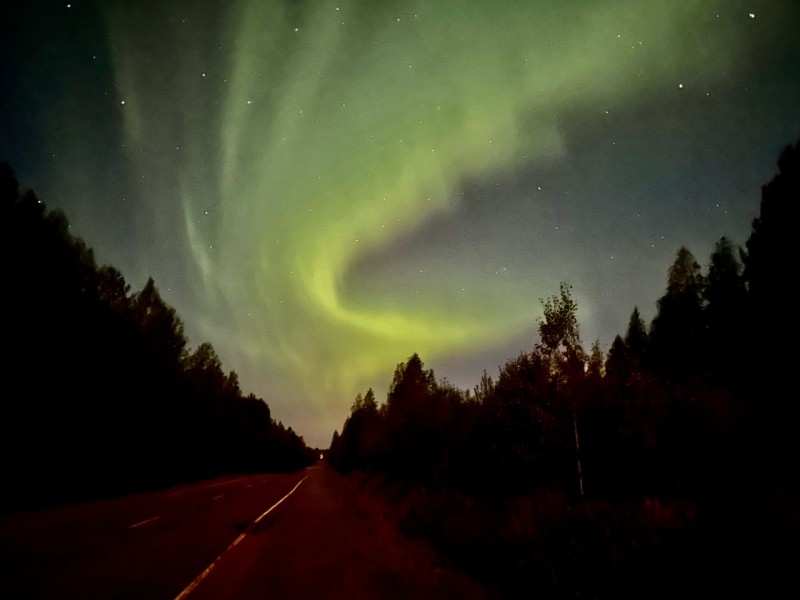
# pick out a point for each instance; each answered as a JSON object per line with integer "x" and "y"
{"x": 322, "y": 188}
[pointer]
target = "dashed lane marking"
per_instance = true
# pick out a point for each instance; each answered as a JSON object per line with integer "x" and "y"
{"x": 206, "y": 486}
{"x": 145, "y": 522}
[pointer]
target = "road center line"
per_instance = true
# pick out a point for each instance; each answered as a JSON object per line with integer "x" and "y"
{"x": 140, "y": 523}
{"x": 208, "y": 569}
{"x": 206, "y": 486}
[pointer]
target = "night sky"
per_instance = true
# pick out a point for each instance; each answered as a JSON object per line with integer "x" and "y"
{"x": 322, "y": 188}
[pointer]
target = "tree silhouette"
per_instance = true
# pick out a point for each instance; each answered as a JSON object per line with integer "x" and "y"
{"x": 561, "y": 348}
{"x": 361, "y": 442}
{"x": 410, "y": 404}
{"x": 617, "y": 365}
{"x": 726, "y": 304}
{"x": 771, "y": 244}
{"x": 636, "y": 341}
{"x": 162, "y": 329}
{"x": 771, "y": 254}
{"x": 685, "y": 434}
{"x": 677, "y": 333}
{"x": 204, "y": 369}
{"x": 560, "y": 343}
{"x": 99, "y": 376}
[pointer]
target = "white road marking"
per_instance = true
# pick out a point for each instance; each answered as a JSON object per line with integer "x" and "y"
{"x": 140, "y": 523}
{"x": 218, "y": 497}
{"x": 209, "y": 485}
{"x": 274, "y": 506}
{"x": 242, "y": 535}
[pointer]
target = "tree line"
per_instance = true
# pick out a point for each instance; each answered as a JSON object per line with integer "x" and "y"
{"x": 102, "y": 394}
{"x": 597, "y": 470}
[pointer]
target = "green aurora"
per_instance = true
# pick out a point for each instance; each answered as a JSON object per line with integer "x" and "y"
{"x": 285, "y": 158}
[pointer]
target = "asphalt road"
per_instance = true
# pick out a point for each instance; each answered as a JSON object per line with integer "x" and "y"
{"x": 311, "y": 534}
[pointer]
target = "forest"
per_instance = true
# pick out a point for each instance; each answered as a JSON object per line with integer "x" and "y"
{"x": 668, "y": 462}
{"x": 102, "y": 395}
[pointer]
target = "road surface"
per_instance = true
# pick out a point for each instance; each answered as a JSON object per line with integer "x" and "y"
{"x": 310, "y": 534}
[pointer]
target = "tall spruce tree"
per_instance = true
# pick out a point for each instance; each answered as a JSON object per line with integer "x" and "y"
{"x": 677, "y": 333}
